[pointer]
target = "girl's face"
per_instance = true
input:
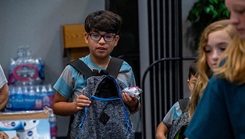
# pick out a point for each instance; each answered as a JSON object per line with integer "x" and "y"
{"x": 237, "y": 17}
{"x": 217, "y": 43}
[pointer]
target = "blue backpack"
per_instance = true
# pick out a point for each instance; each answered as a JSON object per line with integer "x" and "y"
{"x": 107, "y": 116}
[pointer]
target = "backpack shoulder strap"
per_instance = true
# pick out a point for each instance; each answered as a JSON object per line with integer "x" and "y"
{"x": 183, "y": 104}
{"x": 114, "y": 66}
{"x": 81, "y": 67}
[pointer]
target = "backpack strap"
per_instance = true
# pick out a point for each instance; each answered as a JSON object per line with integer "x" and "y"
{"x": 81, "y": 67}
{"x": 114, "y": 66}
{"x": 183, "y": 104}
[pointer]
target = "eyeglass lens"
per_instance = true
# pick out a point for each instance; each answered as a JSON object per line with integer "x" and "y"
{"x": 107, "y": 37}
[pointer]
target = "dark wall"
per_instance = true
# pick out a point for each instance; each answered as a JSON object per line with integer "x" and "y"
{"x": 128, "y": 46}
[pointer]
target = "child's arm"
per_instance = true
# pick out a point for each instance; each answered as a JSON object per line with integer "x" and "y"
{"x": 132, "y": 102}
{"x": 3, "y": 95}
{"x": 161, "y": 132}
{"x": 62, "y": 107}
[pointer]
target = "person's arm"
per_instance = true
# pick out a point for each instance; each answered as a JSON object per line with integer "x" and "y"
{"x": 3, "y": 96}
{"x": 164, "y": 126}
{"x": 62, "y": 107}
{"x": 132, "y": 103}
{"x": 63, "y": 92}
{"x": 135, "y": 108}
{"x": 161, "y": 131}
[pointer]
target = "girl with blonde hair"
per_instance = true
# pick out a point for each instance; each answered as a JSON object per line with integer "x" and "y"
{"x": 213, "y": 42}
{"x": 221, "y": 110}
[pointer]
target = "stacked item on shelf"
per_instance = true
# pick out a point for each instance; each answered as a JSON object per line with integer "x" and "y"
{"x": 29, "y": 97}
{"x": 27, "y": 91}
{"x": 24, "y": 69}
{"x": 25, "y": 124}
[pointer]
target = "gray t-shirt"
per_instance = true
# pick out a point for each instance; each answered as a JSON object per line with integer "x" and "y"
{"x": 172, "y": 115}
{"x": 3, "y": 79}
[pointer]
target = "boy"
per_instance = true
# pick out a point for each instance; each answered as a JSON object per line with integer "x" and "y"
{"x": 175, "y": 111}
{"x": 102, "y": 28}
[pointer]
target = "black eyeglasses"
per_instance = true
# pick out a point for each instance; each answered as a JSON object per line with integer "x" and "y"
{"x": 108, "y": 37}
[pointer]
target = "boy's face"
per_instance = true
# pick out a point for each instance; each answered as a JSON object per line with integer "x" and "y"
{"x": 100, "y": 43}
{"x": 191, "y": 83}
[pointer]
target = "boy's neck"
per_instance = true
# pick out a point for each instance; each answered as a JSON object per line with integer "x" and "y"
{"x": 102, "y": 62}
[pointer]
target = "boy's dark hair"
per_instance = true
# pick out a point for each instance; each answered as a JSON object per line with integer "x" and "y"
{"x": 103, "y": 21}
{"x": 192, "y": 69}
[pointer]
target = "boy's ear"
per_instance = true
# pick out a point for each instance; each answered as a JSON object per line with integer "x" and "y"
{"x": 86, "y": 35}
{"x": 188, "y": 82}
{"x": 117, "y": 38}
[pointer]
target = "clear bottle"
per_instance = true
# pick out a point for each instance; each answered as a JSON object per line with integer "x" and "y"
{"x": 12, "y": 94}
{"x": 39, "y": 101}
{"x": 18, "y": 102}
{"x": 50, "y": 95}
{"x": 26, "y": 97}
{"x": 53, "y": 125}
{"x": 32, "y": 98}
{"x": 46, "y": 100}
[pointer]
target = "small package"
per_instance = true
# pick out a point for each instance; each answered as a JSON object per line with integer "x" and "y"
{"x": 132, "y": 91}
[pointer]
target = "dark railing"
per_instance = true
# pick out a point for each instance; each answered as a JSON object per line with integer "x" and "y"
{"x": 157, "y": 99}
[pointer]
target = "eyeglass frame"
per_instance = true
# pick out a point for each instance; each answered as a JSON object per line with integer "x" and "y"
{"x": 112, "y": 34}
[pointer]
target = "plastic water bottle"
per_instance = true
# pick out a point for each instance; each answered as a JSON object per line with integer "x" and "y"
{"x": 46, "y": 101}
{"x": 32, "y": 98}
{"x": 50, "y": 94}
{"x": 12, "y": 95}
{"x": 26, "y": 98}
{"x": 19, "y": 99}
{"x": 53, "y": 126}
{"x": 39, "y": 98}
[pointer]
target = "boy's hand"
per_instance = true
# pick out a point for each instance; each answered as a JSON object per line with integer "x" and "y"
{"x": 129, "y": 100}
{"x": 82, "y": 101}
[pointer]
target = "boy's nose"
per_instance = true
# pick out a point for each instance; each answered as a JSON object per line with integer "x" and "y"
{"x": 102, "y": 40}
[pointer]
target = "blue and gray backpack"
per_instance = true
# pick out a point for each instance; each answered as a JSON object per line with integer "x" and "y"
{"x": 180, "y": 124}
{"x": 107, "y": 117}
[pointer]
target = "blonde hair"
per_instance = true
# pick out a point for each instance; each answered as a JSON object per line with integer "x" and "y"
{"x": 203, "y": 70}
{"x": 232, "y": 65}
